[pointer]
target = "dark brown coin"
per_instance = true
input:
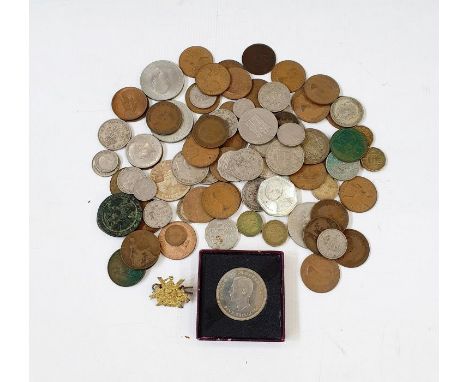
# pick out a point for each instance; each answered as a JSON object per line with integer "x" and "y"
{"x": 313, "y": 229}
{"x": 357, "y": 251}
{"x": 321, "y": 89}
{"x": 236, "y": 142}
{"x": 193, "y": 207}
{"x": 319, "y": 274}
{"x": 197, "y": 155}
{"x": 257, "y": 83}
{"x": 221, "y": 200}
{"x": 310, "y": 176}
{"x": 240, "y": 85}
{"x": 210, "y": 131}
{"x": 228, "y": 64}
{"x": 290, "y": 73}
{"x": 193, "y": 58}
{"x": 175, "y": 234}
{"x": 164, "y": 118}
{"x": 140, "y": 250}
{"x": 129, "y": 103}
{"x": 213, "y": 79}
{"x": 195, "y": 109}
{"x": 114, "y": 188}
{"x": 286, "y": 117}
{"x": 259, "y": 59}
{"x": 331, "y": 209}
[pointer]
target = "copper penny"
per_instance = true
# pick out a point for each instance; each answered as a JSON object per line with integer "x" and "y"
{"x": 357, "y": 251}
{"x": 175, "y": 235}
{"x": 257, "y": 83}
{"x": 236, "y": 142}
{"x": 307, "y": 110}
{"x": 221, "y": 200}
{"x": 313, "y": 229}
{"x": 290, "y": 73}
{"x": 183, "y": 250}
{"x": 193, "y": 58}
{"x": 228, "y": 64}
{"x": 240, "y": 85}
{"x": 129, "y": 103}
{"x": 193, "y": 207}
{"x": 114, "y": 188}
{"x": 210, "y": 131}
{"x": 259, "y": 59}
{"x": 321, "y": 89}
{"x": 195, "y": 109}
{"x": 358, "y": 194}
{"x": 213, "y": 79}
{"x": 197, "y": 155}
{"x": 310, "y": 176}
{"x": 143, "y": 225}
{"x": 319, "y": 274}
{"x": 366, "y": 132}
{"x": 140, "y": 250}
{"x": 164, "y": 118}
{"x": 373, "y": 160}
{"x": 331, "y": 209}
{"x": 228, "y": 105}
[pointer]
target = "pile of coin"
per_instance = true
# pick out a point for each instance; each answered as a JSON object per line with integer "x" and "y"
{"x": 258, "y": 137}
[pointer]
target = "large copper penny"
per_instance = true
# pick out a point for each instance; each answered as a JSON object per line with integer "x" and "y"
{"x": 319, "y": 274}
{"x": 129, "y": 103}
{"x": 306, "y": 110}
{"x": 178, "y": 252}
{"x": 195, "y": 109}
{"x": 140, "y": 249}
{"x": 197, "y": 155}
{"x": 193, "y": 207}
{"x": 358, "y": 194}
{"x": 213, "y": 79}
{"x": 313, "y": 229}
{"x": 193, "y": 58}
{"x": 175, "y": 235}
{"x": 357, "y": 251}
{"x": 210, "y": 131}
{"x": 221, "y": 200}
{"x": 321, "y": 89}
{"x": 310, "y": 176}
{"x": 331, "y": 209}
{"x": 257, "y": 83}
{"x": 236, "y": 142}
{"x": 290, "y": 73}
{"x": 259, "y": 59}
{"x": 164, "y": 118}
{"x": 240, "y": 85}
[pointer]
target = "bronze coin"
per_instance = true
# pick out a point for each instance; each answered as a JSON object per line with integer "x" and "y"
{"x": 129, "y": 103}
{"x": 175, "y": 235}
{"x": 210, "y": 131}
{"x": 240, "y": 85}
{"x": 275, "y": 233}
{"x": 286, "y": 117}
{"x": 197, "y": 155}
{"x": 313, "y": 229}
{"x": 257, "y": 83}
{"x": 290, "y": 73}
{"x": 373, "y": 160}
{"x": 228, "y": 64}
{"x": 319, "y": 274}
{"x": 193, "y": 207}
{"x": 164, "y": 118}
{"x": 193, "y": 58}
{"x": 236, "y": 142}
{"x": 331, "y": 209}
{"x": 114, "y": 188}
{"x": 309, "y": 176}
{"x": 221, "y": 200}
{"x": 306, "y": 110}
{"x": 213, "y": 79}
{"x": 357, "y": 251}
{"x": 195, "y": 109}
{"x": 140, "y": 250}
{"x": 183, "y": 250}
{"x": 321, "y": 89}
{"x": 228, "y": 105}
{"x": 333, "y": 123}
{"x": 259, "y": 59}
{"x": 366, "y": 132}
{"x": 358, "y": 194}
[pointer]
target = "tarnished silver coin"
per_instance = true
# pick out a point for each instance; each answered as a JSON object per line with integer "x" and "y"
{"x": 128, "y": 177}
{"x": 262, "y": 149}
{"x": 201, "y": 100}
{"x": 187, "y": 174}
{"x": 221, "y": 234}
{"x": 145, "y": 189}
{"x": 346, "y": 111}
{"x": 332, "y": 243}
{"x": 105, "y": 163}
{"x": 241, "y": 294}
{"x": 277, "y": 196}
{"x": 225, "y": 168}
{"x": 157, "y": 214}
{"x": 246, "y": 164}
{"x": 185, "y": 128}
{"x": 162, "y": 80}
{"x": 316, "y": 146}
{"x": 114, "y": 134}
{"x": 291, "y": 134}
{"x": 274, "y": 96}
{"x": 297, "y": 220}
{"x": 249, "y": 194}
{"x": 258, "y": 126}
{"x": 241, "y": 106}
{"x": 284, "y": 160}
{"x": 230, "y": 119}
{"x": 144, "y": 151}
{"x": 340, "y": 170}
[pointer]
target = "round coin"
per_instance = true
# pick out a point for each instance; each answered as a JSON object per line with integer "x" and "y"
{"x": 284, "y": 160}
{"x": 201, "y": 100}
{"x": 185, "y": 128}
{"x": 144, "y": 151}
{"x": 140, "y": 250}
{"x": 306, "y": 110}
{"x": 258, "y": 59}
{"x": 221, "y": 200}
{"x": 321, "y": 89}
{"x": 358, "y": 194}
{"x": 331, "y": 209}
{"x": 168, "y": 187}
{"x": 198, "y": 156}
{"x": 357, "y": 250}
{"x": 119, "y": 214}
{"x": 332, "y": 243}
{"x": 183, "y": 250}
{"x": 249, "y": 223}
{"x": 348, "y": 145}
{"x": 316, "y": 146}
{"x": 164, "y": 118}
{"x": 373, "y": 160}
{"x": 258, "y": 126}
{"x": 246, "y": 164}
{"x": 340, "y": 170}
{"x": 185, "y": 173}
{"x": 114, "y": 134}
{"x": 162, "y": 80}
{"x": 193, "y": 58}
{"x": 240, "y": 85}
{"x": 127, "y": 179}
{"x": 193, "y": 207}
{"x": 297, "y": 221}
{"x": 291, "y": 134}
{"x": 275, "y": 233}
{"x": 309, "y": 176}
{"x": 319, "y": 274}
{"x": 105, "y": 163}
{"x": 157, "y": 213}
{"x": 277, "y": 196}
{"x": 312, "y": 231}
{"x": 195, "y": 109}
{"x": 328, "y": 190}
{"x": 145, "y": 189}
{"x": 241, "y": 106}
{"x": 213, "y": 79}
{"x": 249, "y": 194}
{"x": 210, "y": 131}
{"x": 274, "y": 96}
{"x": 346, "y": 111}
{"x": 175, "y": 235}
{"x": 129, "y": 103}
{"x": 221, "y": 234}
{"x": 121, "y": 274}
{"x": 290, "y": 73}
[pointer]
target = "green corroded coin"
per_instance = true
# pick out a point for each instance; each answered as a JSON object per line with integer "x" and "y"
{"x": 348, "y": 145}
{"x": 249, "y": 223}
{"x": 119, "y": 214}
{"x": 122, "y": 275}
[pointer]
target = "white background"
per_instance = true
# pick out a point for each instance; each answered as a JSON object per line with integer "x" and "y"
{"x": 380, "y": 323}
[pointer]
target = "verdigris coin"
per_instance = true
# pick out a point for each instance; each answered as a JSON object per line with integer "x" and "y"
{"x": 340, "y": 170}
{"x": 348, "y": 145}
{"x": 119, "y": 214}
{"x": 120, "y": 273}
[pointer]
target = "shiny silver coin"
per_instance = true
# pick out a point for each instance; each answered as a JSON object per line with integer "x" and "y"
{"x": 284, "y": 160}
{"x": 201, "y": 100}
{"x": 241, "y": 106}
{"x": 297, "y": 220}
{"x": 145, "y": 189}
{"x": 105, "y": 163}
{"x": 277, "y": 196}
{"x": 316, "y": 146}
{"x": 128, "y": 177}
{"x": 162, "y": 80}
{"x": 157, "y": 214}
{"x": 241, "y": 294}
{"x": 114, "y": 134}
{"x": 185, "y": 128}
{"x": 245, "y": 164}
{"x": 346, "y": 111}
{"x": 221, "y": 234}
{"x": 225, "y": 168}
{"x": 187, "y": 174}
{"x": 258, "y": 126}
{"x": 249, "y": 194}
{"x": 274, "y": 96}
{"x": 291, "y": 134}
{"x": 230, "y": 119}
{"x": 332, "y": 243}
{"x": 340, "y": 170}
{"x": 144, "y": 151}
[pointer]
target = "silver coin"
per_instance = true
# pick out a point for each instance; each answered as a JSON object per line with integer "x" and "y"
{"x": 246, "y": 164}
{"x": 224, "y": 166}
{"x": 274, "y": 96}
{"x": 145, "y": 189}
{"x": 187, "y": 174}
{"x": 209, "y": 179}
{"x": 114, "y": 134}
{"x": 346, "y": 111}
{"x": 162, "y": 80}
{"x": 185, "y": 127}
{"x": 144, "y": 151}
{"x": 297, "y": 220}
{"x": 291, "y": 134}
{"x": 258, "y": 126}
{"x": 340, "y": 170}
{"x": 105, "y": 163}
{"x": 157, "y": 214}
{"x": 221, "y": 234}
{"x": 262, "y": 149}
{"x": 316, "y": 146}
{"x": 201, "y": 100}
{"x": 277, "y": 196}
{"x": 249, "y": 194}
{"x": 230, "y": 119}
{"x": 332, "y": 243}
{"x": 128, "y": 177}
{"x": 284, "y": 160}
{"x": 241, "y": 106}
{"x": 266, "y": 173}
{"x": 241, "y": 294}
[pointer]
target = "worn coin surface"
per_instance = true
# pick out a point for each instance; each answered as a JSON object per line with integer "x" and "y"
{"x": 240, "y": 85}
{"x": 286, "y": 117}
{"x": 121, "y": 274}
{"x": 321, "y": 89}
{"x": 249, "y": 223}
{"x": 145, "y": 189}
{"x": 284, "y": 160}
{"x": 358, "y": 194}
{"x": 185, "y": 173}
{"x": 357, "y": 250}
{"x": 328, "y": 190}
{"x": 105, "y": 163}
{"x": 258, "y": 126}
{"x": 274, "y": 96}
{"x": 213, "y": 79}
{"x": 200, "y": 99}
{"x": 162, "y": 80}
{"x": 340, "y": 170}
{"x": 113, "y": 187}
{"x": 246, "y": 164}
{"x": 198, "y": 110}
{"x": 180, "y": 211}
{"x": 259, "y": 59}
{"x": 164, "y": 118}
{"x": 236, "y": 142}
{"x": 275, "y": 233}
{"x": 185, "y": 128}
{"x": 221, "y": 234}
{"x": 114, "y": 134}
{"x": 332, "y": 243}
{"x": 193, "y": 58}
{"x": 291, "y": 134}
{"x": 241, "y": 106}
{"x": 143, "y": 225}
{"x": 193, "y": 207}
{"x": 221, "y": 200}
{"x": 346, "y": 111}
{"x": 129, "y": 103}
{"x": 144, "y": 151}
{"x": 348, "y": 145}
{"x": 228, "y": 105}
{"x": 262, "y": 149}
{"x": 306, "y": 110}
{"x": 297, "y": 221}
{"x": 181, "y": 251}
{"x": 210, "y": 131}
{"x": 175, "y": 234}
{"x": 309, "y": 176}
{"x": 290, "y": 73}
{"x": 197, "y": 155}
{"x": 316, "y": 146}
{"x": 157, "y": 213}
{"x": 373, "y": 160}
{"x": 224, "y": 167}
{"x": 319, "y": 274}
{"x": 257, "y": 83}
{"x": 277, "y": 196}
{"x": 331, "y": 209}
{"x": 229, "y": 117}
{"x": 249, "y": 194}
{"x": 119, "y": 214}
{"x": 241, "y": 294}
{"x": 140, "y": 250}
{"x": 168, "y": 187}
{"x": 228, "y": 64}
{"x": 313, "y": 228}
{"x": 127, "y": 179}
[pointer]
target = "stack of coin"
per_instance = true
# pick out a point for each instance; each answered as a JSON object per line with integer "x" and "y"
{"x": 248, "y": 130}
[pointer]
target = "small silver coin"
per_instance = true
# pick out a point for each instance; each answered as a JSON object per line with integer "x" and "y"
{"x": 114, "y": 134}
{"x": 105, "y": 163}
{"x": 225, "y": 168}
{"x": 241, "y": 294}
{"x": 249, "y": 194}
{"x": 241, "y": 106}
{"x": 332, "y": 243}
{"x": 258, "y": 126}
{"x": 144, "y": 151}
{"x": 201, "y": 100}
{"x": 145, "y": 189}
{"x": 291, "y": 134}
{"x": 346, "y": 111}
{"x": 162, "y": 80}
{"x": 277, "y": 196}
{"x": 157, "y": 214}
{"x": 221, "y": 234}
{"x": 128, "y": 177}
{"x": 284, "y": 160}
{"x": 274, "y": 96}
{"x": 187, "y": 174}
{"x": 246, "y": 164}
{"x": 230, "y": 119}
{"x": 185, "y": 128}
{"x": 316, "y": 146}
{"x": 262, "y": 149}
{"x": 340, "y": 170}
{"x": 297, "y": 220}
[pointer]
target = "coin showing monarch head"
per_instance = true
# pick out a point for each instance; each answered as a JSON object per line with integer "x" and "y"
{"x": 129, "y": 103}
{"x": 162, "y": 80}
{"x": 140, "y": 249}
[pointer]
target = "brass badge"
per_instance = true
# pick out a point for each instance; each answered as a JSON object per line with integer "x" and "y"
{"x": 168, "y": 293}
